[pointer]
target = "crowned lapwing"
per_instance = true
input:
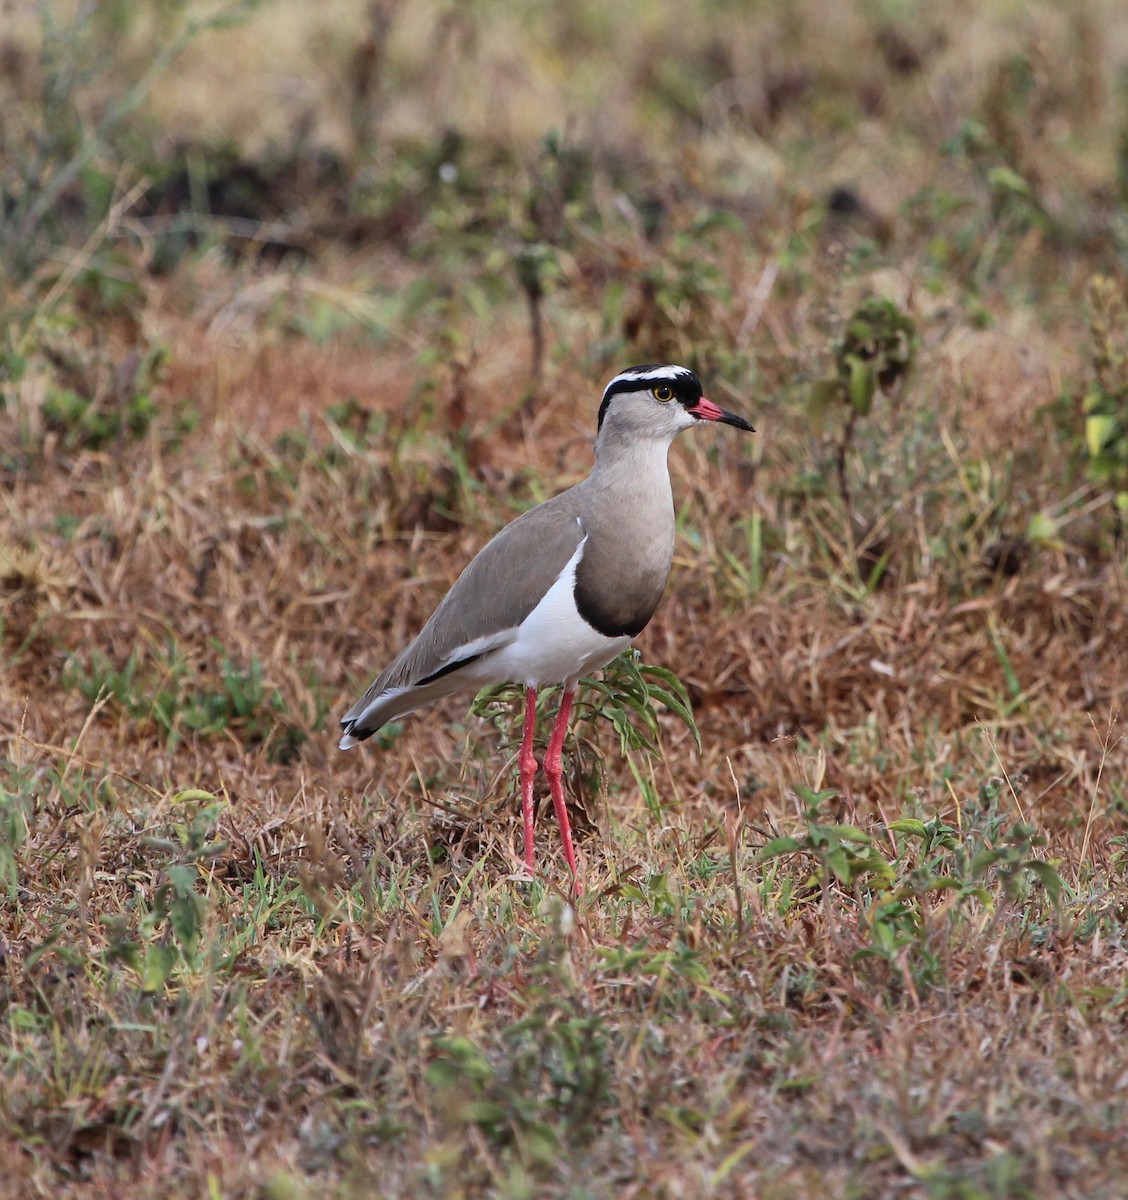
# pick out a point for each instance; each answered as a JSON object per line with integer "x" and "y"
{"x": 563, "y": 588}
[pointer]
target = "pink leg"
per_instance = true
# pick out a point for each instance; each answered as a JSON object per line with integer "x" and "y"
{"x": 528, "y": 765}
{"x": 555, "y": 772}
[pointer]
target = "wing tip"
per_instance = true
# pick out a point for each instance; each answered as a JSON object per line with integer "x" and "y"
{"x": 349, "y": 738}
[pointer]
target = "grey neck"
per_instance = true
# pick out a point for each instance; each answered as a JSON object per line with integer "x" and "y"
{"x": 627, "y": 509}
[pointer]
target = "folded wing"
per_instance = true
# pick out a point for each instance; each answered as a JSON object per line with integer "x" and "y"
{"x": 480, "y": 614}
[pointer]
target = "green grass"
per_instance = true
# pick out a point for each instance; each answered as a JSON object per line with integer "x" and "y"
{"x": 582, "y": 1014}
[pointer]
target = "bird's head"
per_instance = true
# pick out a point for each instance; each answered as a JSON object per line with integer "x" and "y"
{"x": 655, "y": 401}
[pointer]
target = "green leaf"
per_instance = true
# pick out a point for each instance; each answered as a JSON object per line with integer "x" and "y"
{"x": 183, "y": 879}
{"x": 839, "y": 863}
{"x": 487, "y": 1113}
{"x": 195, "y": 796}
{"x": 1004, "y": 179}
{"x": 214, "y": 849}
{"x": 1047, "y": 875}
{"x": 814, "y": 799}
{"x": 538, "y": 1140}
{"x": 941, "y": 883}
{"x": 675, "y": 696}
{"x": 463, "y": 1057}
{"x": 863, "y": 384}
{"x": 778, "y": 846}
{"x": 985, "y": 859}
{"x": 1042, "y": 529}
{"x": 1099, "y": 429}
{"x": 909, "y": 825}
{"x": 184, "y": 915}
{"x": 160, "y": 843}
{"x": 850, "y": 833}
{"x": 444, "y": 1074}
{"x": 160, "y": 961}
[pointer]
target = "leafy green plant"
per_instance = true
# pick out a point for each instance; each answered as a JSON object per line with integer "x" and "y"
{"x": 177, "y": 700}
{"x": 49, "y": 155}
{"x": 559, "y": 188}
{"x": 747, "y": 571}
{"x": 169, "y": 925}
{"x": 874, "y": 355}
{"x": 85, "y": 422}
{"x": 1013, "y": 202}
{"x": 1105, "y": 405}
{"x": 15, "y": 813}
{"x": 840, "y": 852}
{"x": 544, "y": 1083}
{"x": 1011, "y": 859}
{"x": 626, "y": 693}
{"x": 892, "y": 888}
{"x": 63, "y": 378}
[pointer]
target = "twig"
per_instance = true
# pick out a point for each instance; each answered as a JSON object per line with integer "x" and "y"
{"x": 732, "y": 828}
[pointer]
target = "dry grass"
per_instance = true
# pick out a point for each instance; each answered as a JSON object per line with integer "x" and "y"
{"x": 870, "y": 940}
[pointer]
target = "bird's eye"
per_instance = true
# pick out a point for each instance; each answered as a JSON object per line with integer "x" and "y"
{"x": 662, "y": 392}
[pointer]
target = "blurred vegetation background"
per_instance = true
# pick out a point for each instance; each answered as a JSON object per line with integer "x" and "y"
{"x": 714, "y": 183}
{"x": 350, "y": 118}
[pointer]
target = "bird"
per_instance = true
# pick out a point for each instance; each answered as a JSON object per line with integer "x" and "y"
{"x": 562, "y": 589}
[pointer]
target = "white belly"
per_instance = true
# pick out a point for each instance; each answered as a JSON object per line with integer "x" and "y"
{"x": 554, "y": 644}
